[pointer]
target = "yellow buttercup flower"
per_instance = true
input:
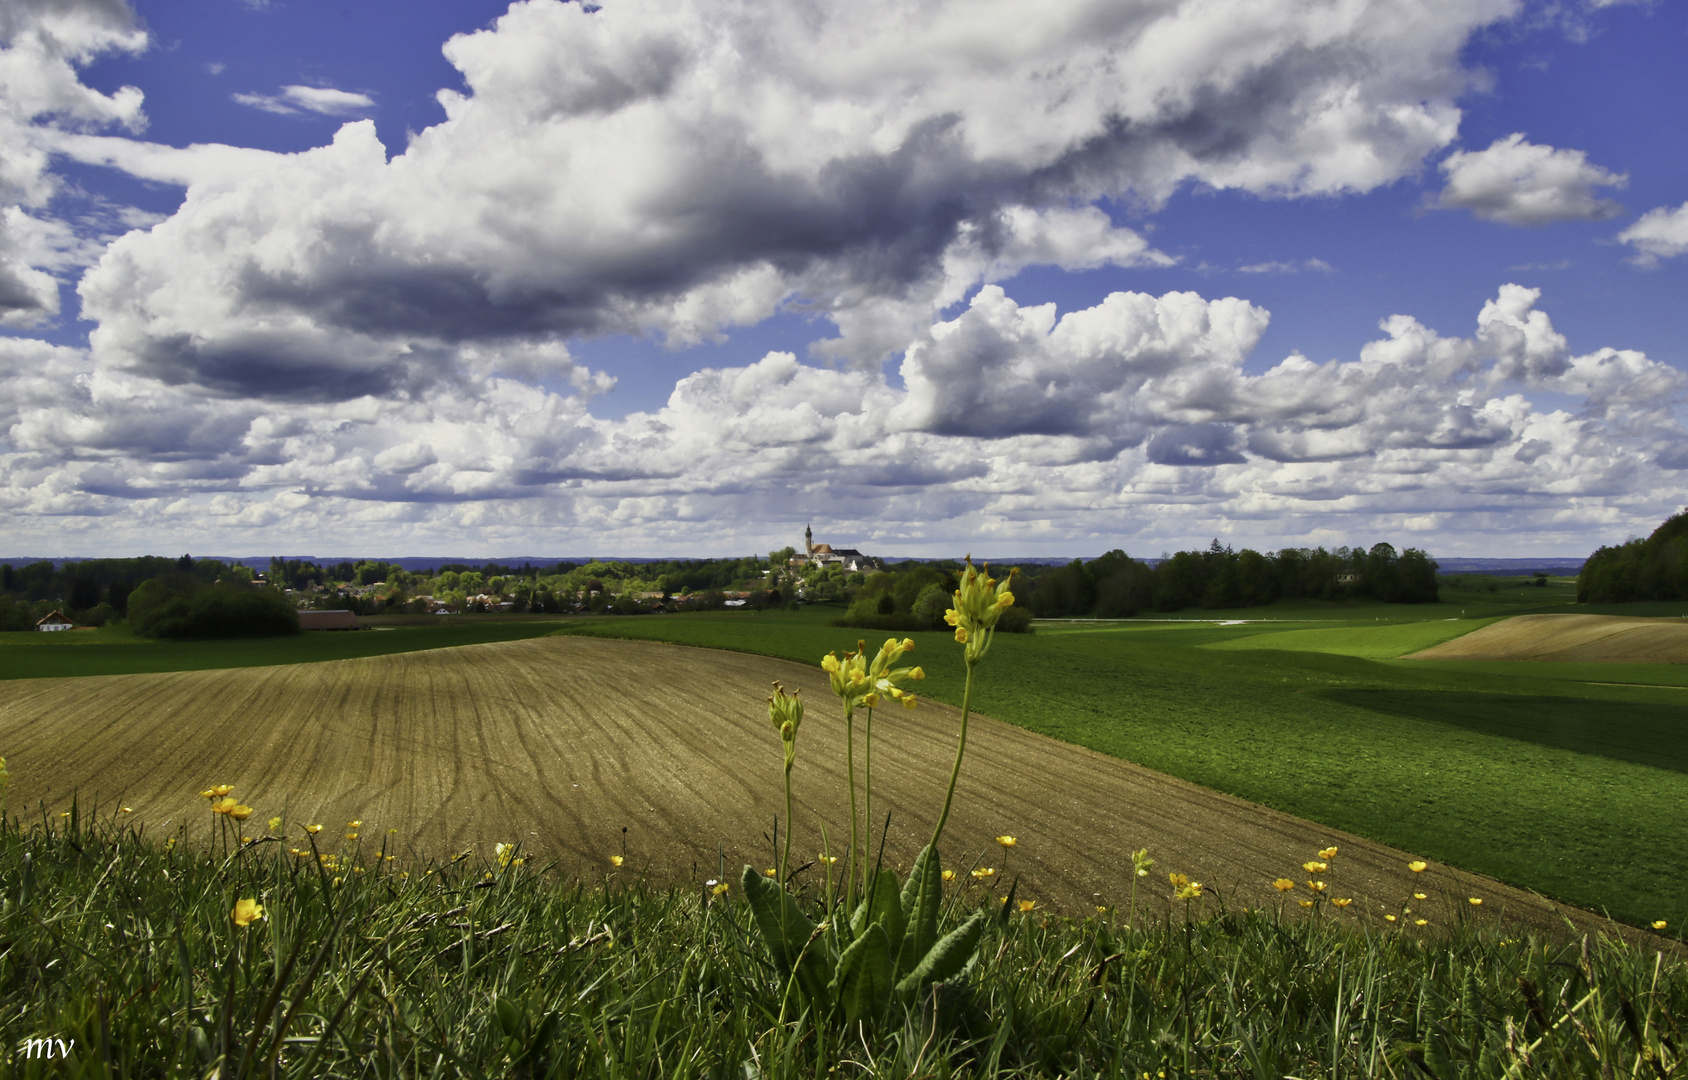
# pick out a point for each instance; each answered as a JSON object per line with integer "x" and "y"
{"x": 1342, "y": 901}
{"x": 826, "y": 860}
{"x": 275, "y": 824}
{"x": 1314, "y": 867}
{"x": 984, "y": 872}
{"x": 1283, "y": 884}
{"x": 246, "y": 911}
{"x": 1306, "y": 903}
{"x": 1328, "y": 853}
{"x": 1389, "y": 918}
{"x": 949, "y": 875}
{"x": 1476, "y": 901}
{"x": 1660, "y": 925}
{"x": 771, "y": 872}
{"x": 354, "y": 824}
{"x": 223, "y": 805}
{"x": 221, "y": 790}
{"x": 1006, "y": 841}
{"x": 1316, "y": 886}
{"x": 240, "y": 813}
{"x": 1418, "y": 866}
{"x": 616, "y": 860}
{"x": 1421, "y": 922}
{"x": 126, "y": 810}
{"x": 1191, "y": 891}
{"x": 1027, "y": 905}
{"x": 1421, "y": 896}
{"x": 721, "y": 888}
{"x": 313, "y": 828}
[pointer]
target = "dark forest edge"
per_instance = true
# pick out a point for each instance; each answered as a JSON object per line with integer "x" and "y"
{"x": 1652, "y": 569}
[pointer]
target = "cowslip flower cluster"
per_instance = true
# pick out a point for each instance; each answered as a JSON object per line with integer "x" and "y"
{"x": 979, "y": 603}
{"x": 864, "y": 684}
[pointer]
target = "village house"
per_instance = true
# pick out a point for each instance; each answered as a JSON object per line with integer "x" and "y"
{"x": 55, "y": 620}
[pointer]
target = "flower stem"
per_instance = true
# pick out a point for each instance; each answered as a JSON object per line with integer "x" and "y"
{"x": 850, "y": 769}
{"x": 785, "y": 856}
{"x": 960, "y": 749}
{"x": 867, "y": 786}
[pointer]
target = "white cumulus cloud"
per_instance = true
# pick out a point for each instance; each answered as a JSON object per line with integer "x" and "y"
{"x": 1660, "y": 234}
{"x": 682, "y": 168}
{"x": 1519, "y": 182}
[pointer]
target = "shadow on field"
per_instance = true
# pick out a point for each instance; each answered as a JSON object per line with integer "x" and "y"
{"x": 1642, "y": 734}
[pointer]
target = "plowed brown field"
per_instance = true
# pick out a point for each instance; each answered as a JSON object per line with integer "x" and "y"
{"x": 1571, "y": 638}
{"x": 564, "y": 742}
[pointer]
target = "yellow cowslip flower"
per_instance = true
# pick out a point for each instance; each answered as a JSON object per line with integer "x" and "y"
{"x": 504, "y": 853}
{"x": 1421, "y": 896}
{"x": 1342, "y": 901}
{"x": 1316, "y": 886}
{"x": 240, "y": 812}
{"x": 1283, "y": 884}
{"x": 1141, "y": 864}
{"x": 1314, "y": 867}
{"x": 1328, "y": 853}
{"x": 1418, "y": 866}
{"x": 1476, "y": 901}
{"x": 1306, "y": 903}
{"x": 275, "y": 824}
{"x": 246, "y": 911}
{"x": 984, "y": 873}
{"x": 1660, "y": 924}
{"x": 1006, "y": 841}
{"x": 313, "y": 828}
{"x": 949, "y": 875}
{"x": 1027, "y": 905}
{"x": 826, "y": 860}
{"x": 616, "y": 860}
{"x": 1421, "y": 922}
{"x": 979, "y": 603}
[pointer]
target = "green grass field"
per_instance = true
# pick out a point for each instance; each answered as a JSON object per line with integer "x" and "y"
{"x": 115, "y": 651}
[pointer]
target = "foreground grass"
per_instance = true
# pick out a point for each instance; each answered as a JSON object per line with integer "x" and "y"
{"x": 123, "y": 947}
{"x": 1538, "y": 774}
{"x": 115, "y": 651}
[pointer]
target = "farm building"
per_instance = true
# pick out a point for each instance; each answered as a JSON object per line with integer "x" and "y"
{"x": 55, "y": 620}
{"x": 328, "y": 620}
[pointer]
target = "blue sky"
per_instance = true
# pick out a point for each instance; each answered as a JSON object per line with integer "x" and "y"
{"x": 662, "y": 277}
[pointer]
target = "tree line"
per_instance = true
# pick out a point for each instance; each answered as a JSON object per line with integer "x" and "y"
{"x": 1652, "y": 569}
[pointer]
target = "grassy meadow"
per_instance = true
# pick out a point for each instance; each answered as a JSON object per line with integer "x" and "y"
{"x": 114, "y": 650}
{"x": 127, "y": 954}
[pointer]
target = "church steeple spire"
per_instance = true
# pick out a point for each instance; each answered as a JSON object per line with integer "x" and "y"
{"x": 808, "y": 540}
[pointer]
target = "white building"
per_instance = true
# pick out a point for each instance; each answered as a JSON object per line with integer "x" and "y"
{"x": 55, "y": 620}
